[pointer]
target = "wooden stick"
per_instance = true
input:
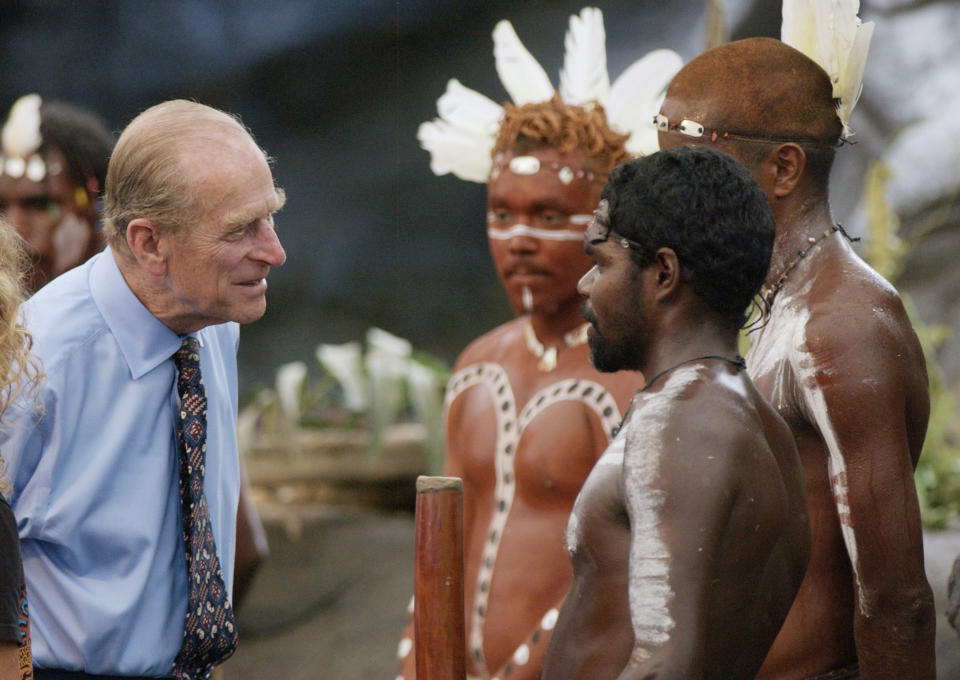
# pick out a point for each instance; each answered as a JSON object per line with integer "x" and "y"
{"x": 439, "y": 639}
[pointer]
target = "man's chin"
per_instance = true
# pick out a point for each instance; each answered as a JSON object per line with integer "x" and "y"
{"x": 606, "y": 358}
{"x": 248, "y": 313}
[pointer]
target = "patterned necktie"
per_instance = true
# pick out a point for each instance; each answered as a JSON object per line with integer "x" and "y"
{"x": 210, "y": 634}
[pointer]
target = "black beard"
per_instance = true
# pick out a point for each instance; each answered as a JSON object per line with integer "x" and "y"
{"x": 608, "y": 357}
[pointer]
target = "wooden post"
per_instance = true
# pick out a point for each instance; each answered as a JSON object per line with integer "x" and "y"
{"x": 439, "y": 640}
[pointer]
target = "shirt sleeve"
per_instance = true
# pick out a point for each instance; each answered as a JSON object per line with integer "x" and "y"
{"x": 11, "y": 576}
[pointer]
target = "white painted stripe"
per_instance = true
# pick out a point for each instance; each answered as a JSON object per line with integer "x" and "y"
{"x": 535, "y": 232}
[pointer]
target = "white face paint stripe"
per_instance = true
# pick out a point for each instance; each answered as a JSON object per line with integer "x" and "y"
{"x": 533, "y": 232}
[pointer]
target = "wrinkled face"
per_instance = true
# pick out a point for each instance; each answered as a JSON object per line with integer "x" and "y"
{"x": 35, "y": 209}
{"x": 613, "y": 305}
{"x": 535, "y": 227}
{"x": 217, "y": 268}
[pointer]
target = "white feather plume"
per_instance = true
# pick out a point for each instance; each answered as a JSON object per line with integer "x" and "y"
{"x": 831, "y": 33}
{"x": 469, "y": 109}
{"x": 584, "y": 79}
{"x": 21, "y": 133}
{"x": 522, "y": 76}
{"x": 452, "y": 149}
{"x": 636, "y": 95}
{"x": 461, "y": 139}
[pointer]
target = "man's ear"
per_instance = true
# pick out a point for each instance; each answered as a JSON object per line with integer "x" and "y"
{"x": 148, "y": 245}
{"x": 789, "y": 161}
{"x": 666, "y": 271}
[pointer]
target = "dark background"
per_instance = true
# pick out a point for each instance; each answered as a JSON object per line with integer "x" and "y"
{"x": 334, "y": 91}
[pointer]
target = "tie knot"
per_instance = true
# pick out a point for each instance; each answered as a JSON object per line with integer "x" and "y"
{"x": 188, "y": 356}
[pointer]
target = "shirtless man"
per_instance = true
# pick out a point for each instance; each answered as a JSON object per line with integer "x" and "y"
{"x": 690, "y": 537}
{"x": 527, "y": 415}
{"x": 837, "y": 357}
{"x": 53, "y": 164}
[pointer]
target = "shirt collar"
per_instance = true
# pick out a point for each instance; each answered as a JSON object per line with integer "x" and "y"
{"x": 144, "y": 341}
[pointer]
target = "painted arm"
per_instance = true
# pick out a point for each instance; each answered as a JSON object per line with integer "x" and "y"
{"x": 868, "y": 399}
{"x": 678, "y": 510}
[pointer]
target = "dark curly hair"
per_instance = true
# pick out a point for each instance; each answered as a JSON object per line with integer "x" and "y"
{"x": 705, "y": 206}
{"x": 564, "y": 127}
{"x": 81, "y": 136}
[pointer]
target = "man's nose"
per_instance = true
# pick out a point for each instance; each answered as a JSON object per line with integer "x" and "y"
{"x": 269, "y": 249}
{"x": 521, "y": 240}
{"x": 585, "y": 284}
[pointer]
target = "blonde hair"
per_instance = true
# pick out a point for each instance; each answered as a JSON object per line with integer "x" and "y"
{"x": 18, "y": 366}
{"x": 146, "y": 176}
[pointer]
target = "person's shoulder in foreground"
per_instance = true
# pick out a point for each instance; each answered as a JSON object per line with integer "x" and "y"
{"x": 690, "y": 537}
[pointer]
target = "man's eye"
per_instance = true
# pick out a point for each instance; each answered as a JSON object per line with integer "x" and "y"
{"x": 552, "y": 218}
{"x": 498, "y": 216}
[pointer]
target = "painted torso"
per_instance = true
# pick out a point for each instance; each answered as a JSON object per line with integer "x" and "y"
{"x": 688, "y": 535}
{"x": 813, "y": 349}
{"x": 524, "y": 441}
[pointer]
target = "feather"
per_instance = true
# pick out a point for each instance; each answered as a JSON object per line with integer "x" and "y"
{"x": 850, "y": 84}
{"x": 469, "y": 109}
{"x": 799, "y": 28}
{"x": 452, "y": 149}
{"x": 461, "y": 139}
{"x": 21, "y": 133}
{"x": 831, "y": 33}
{"x": 522, "y": 76}
{"x": 635, "y": 98}
{"x": 584, "y": 79}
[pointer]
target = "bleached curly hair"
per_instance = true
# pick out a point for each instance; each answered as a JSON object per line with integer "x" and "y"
{"x": 19, "y": 369}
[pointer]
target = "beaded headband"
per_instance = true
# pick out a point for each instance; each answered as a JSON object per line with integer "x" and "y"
{"x": 461, "y": 139}
{"x": 692, "y": 128}
{"x": 531, "y": 165}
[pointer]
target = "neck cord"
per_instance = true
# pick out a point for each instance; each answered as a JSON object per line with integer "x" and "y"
{"x": 812, "y": 241}
{"x": 548, "y": 355}
{"x": 736, "y": 361}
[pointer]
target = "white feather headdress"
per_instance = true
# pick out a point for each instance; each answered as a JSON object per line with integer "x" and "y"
{"x": 461, "y": 139}
{"x": 831, "y": 33}
{"x": 20, "y": 140}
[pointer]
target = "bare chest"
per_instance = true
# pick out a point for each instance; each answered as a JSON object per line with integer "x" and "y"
{"x": 536, "y": 438}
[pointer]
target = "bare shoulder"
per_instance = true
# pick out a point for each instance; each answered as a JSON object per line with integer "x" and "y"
{"x": 492, "y": 345}
{"x": 699, "y": 413}
{"x": 852, "y": 299}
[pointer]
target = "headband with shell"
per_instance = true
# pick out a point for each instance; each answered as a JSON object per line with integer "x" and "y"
{"x": 461, "y": 139}
{"x": 831, "y": 34}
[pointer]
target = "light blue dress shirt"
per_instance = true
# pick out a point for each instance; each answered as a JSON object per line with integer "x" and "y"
{"x": 93, "y": 462}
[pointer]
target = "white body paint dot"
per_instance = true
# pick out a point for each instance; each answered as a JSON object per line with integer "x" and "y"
{"x": 403, "y": 649}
